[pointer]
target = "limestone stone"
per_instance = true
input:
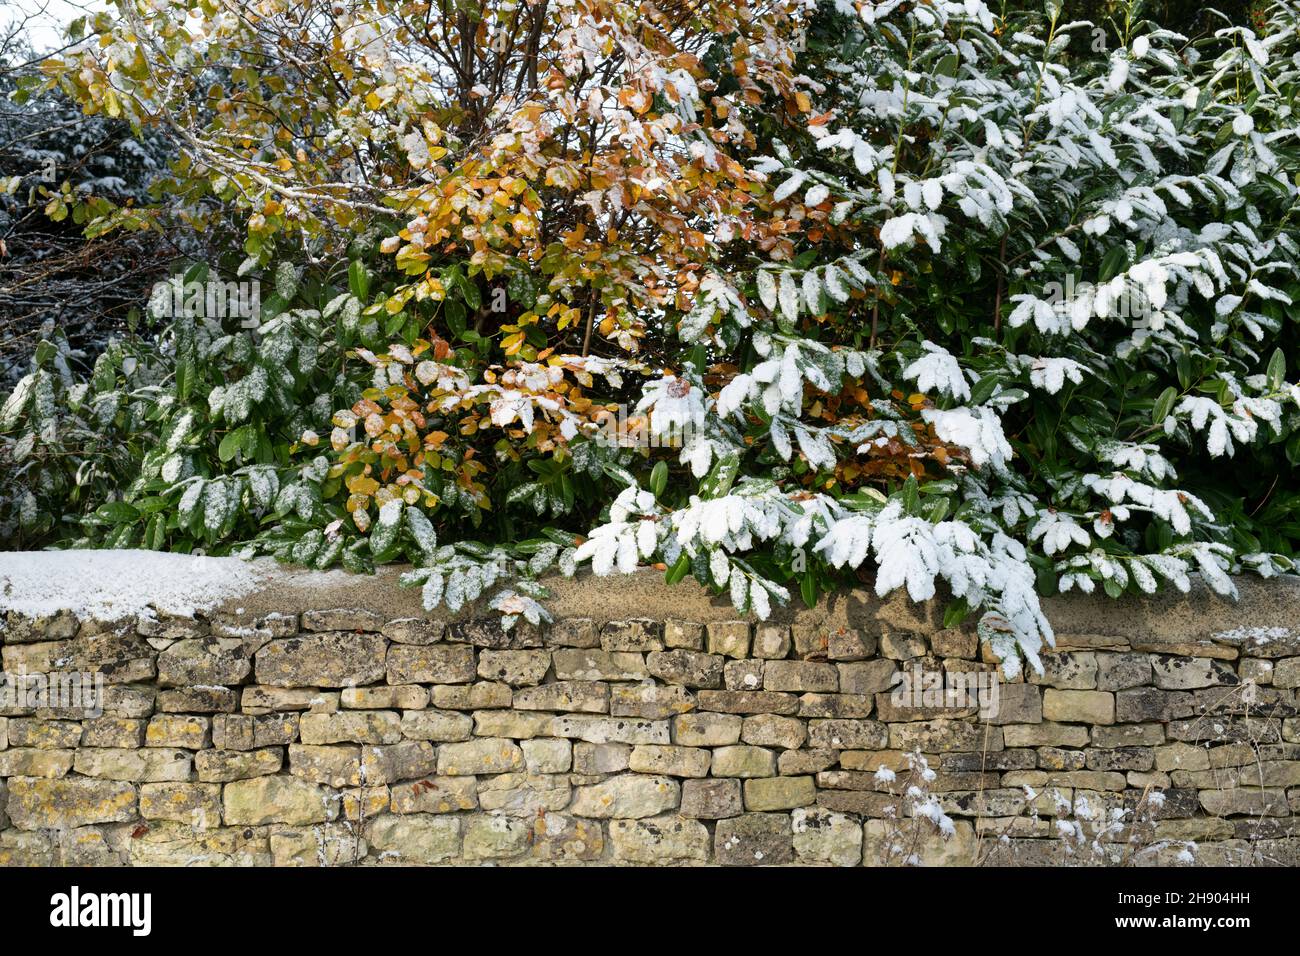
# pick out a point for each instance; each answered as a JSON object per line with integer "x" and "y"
{"x": 351, "y": 726}
{"x": 684, "y": 634}
{"x": 1046, "y": 734}
{"x": 359, "y": 804}
{"x": 640, "y": 634}
{"x": 233, "y": 731}
{"x": 1267, "y": 773}
{"x": 570, "y": 696}
{"x": 574, "y": 632}
{"x": 772, "y": 730}
{"x": 203, "y": 661}
{"x": 958, "y": 850}
{"x": 516, "y": 668}
{"x": 123, "y": 732}
{"x": 1253, "y": 801}
{"x": 603, "y": 730}
{"x": 652, "y": 701}
{"x": 518, "y": 725}
{"x": 150, "y": 765}
{"x": 547, "y": 755}
{"x": 825, "y": 837}
{"x": 811, "y": 641}
{"x": 792, "y": 763}
{"x": 558, "y": 837}
{"x": 597, "y": 665}
{"x": 125, "y": 700}
{"x": 627, "y": 797}
{"x": 439, "y": 725}
{"x": 1055, "y": 758}
{"x": 707, "y": 730}
{"x": 22, "y": 629}
{"x": 275, "y": 799}
{"x": 482, "y": 695}
{"x": 1151, "y": 704}
{"x": 848, "y": 734}
{"x": 485, "y": 755}
{"x": 850, "y": 644}
{"x": 91, "y": 846}
{"x": 324, "y": 844}
{"x": 1182, "y": 756}
{"x": 400, "y": 697}
{"x": 1081, "y": 706}
{"x": 712, "y": 799}
{"x": 688, "y": 668}
{"x": 179, "y": 730}
{"x": 1217, "y": 729}
{"x": 120, "y": 656}
{"x": 341, "y": 619}
{"x": 266, "y": 700}
{"x": 867, "y": 677}
{"x": 492, "y": 836}
{"x": 1186, "y": 673}
{"x": 670, "y": 761}
{"x": 836, "y": 706}
{"x": 430, "y": 664}
{"x": 1121, "y": 758}
{"x": 407, "y": 760}
{"x": 1122, "y": 671}
{"x": 1285, "y": 673}
{"x": 37, "y": 803}
{"x": 525, "y": 795}
{"x": 954, "y": 642}
{"x": 743, "y": 675}
{"x": 801, "y": 676}
{"x": 729, "y": 638}
{"x": 435, "y": 794}
{"x": 24, "y": 848}
{"x": 1128, "y": 735}
{"x": 198, "y": 804}
{"x": 1068, "y": 671}
{"x": 742, "y": 760}
{"x": 43, "y": 734}
{"x": 668, "y": 839}
{"x": 754, "y": 839}
{"x": 337, "y": 765}
{"x": 223, "y": 766}
{"x": 940, "y": 736}
{"x": 36, "y": 658}
{"x": 1017, "y": 704}
{"x": 413, "y": 630}
{"x": 488, "y": 632}
{"x": 748, "y": 702}
{"x": 329, "y": 659}
{"x": 415, "y": 838}
{"x": 772, "y": 642}
{"x": 899, "y": 646}
{"x": 591, "y": 758}
{"x": 1259, "y": 671}
{"x": 971, "y": 761}
{"x": 779, "y": 793}
{"x": 167, "y": 843}
{"x": 197, "y": 700}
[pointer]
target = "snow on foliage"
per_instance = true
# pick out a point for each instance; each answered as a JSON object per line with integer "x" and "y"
{"x": 980, "y": 320}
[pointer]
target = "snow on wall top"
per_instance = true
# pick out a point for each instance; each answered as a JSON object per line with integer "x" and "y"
{"x": 115, "y": 584}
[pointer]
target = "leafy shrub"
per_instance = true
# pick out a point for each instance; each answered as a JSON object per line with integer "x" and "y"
{"x": 934, "y": 305}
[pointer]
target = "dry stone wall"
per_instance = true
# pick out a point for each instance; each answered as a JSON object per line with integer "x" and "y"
{"x": 323, "y": 723}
